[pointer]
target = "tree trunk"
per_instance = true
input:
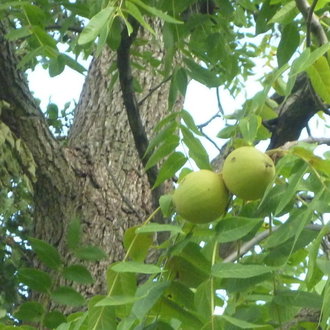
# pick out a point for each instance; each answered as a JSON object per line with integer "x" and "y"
{"x": 98, "y": 175}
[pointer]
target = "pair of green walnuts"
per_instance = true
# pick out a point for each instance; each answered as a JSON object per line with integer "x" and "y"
{"x": 203, "y": 196}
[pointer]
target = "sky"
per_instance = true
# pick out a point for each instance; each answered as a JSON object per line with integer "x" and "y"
{"x": 200, "y": 101}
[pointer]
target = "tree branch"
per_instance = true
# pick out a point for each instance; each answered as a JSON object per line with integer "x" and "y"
{"x": 130, "y": 101}
{"x": 257, "y": 239}
{"x": 294, "y": 114}
{"x": 313, "y": 24}
{"x": 23, "y": 116}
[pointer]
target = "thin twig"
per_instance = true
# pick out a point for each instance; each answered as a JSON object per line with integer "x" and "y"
{"x": 312, "y": 21}
{"x": 256, "y": 240}
{"x": 76, "y": 29}
{"x": 309, "y": 22}
{"x": 209, "y": 121}
{"x": 152, "y": 90}
{"x": 209, "y": 139}
{"x": 219, "y": 102}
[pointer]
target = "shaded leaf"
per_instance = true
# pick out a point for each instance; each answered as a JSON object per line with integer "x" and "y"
{"x": 78, "y": 273}
{"x": 154, "y": 11}
{"x": 137, "y": 244}
{"x": 171, "y": 165}
{"x": 100, "y": 317}
{"x": 29, "y": 311}
{"x": 135, "y": 267}
{"x": 46, "y": 253}
{"x": 67, "y": 296}
{"x": 92, "y": 253}
{"x": 53, "y": 319}
{"x": 151, "y": 292}
{"x": 289, "y": 42}
{"x": 196, "y": 149}
{"x": 74, "y": 233}
{"x": 35, "y": 279}
{"x": 233, "y": 228}
{"x": 244, "y": 324}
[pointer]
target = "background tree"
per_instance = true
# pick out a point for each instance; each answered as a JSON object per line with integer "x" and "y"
{"x": 76, "y": 202}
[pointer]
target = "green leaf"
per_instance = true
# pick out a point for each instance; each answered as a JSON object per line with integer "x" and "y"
{"x": 135, "y": 267}
{"x": 56, "y": 66}
{"x": 234, "y": 228}
{"x": 13, "y": 4}
{"x": 78, "y": 273}
{"x": 203, "y": 299}
{"x": 181, "y": 83}
{"x": 292, "y": 187}
{"x": 243, "y": 324}
{"x": 121, "y": 283}
{"x": 187, "y": 273}
{"x": 29, "y": 312}
{"x": 73, "y": 64}
{"x": 162, "y": 135}
{"x": 74, "y": 233}
{"x": 92, "y": 253}
{"x": 46, "y": 253}
{"x": 169, "y": 145}
{"x": 319, "y": 73}
{"x": 286, "y": 230}
{"x": 18, "y": 33}
{"x": 229, "y": 270}
{"x": 166, "y": 205}
{"x": 171, "y": 309}
{"x": 288, "y": 10}
{"x": 44, "y": 38}
{"x": 325, "y": 306}
{"x": 156, "y": 12}
{"x": 151, "y": 292}
{"x": 53, "y": 319}
{"x": 289, "y": 42}
{"x": 189, "y": 121}
{"x": 304, "y": 61}
{"x": 201, "y": 74}
{"x": 135, "y": 12}
{"x": 227, "y": 132}
{"x": 181, "y": 294}
{"x": 118, "y": 300}
{"x": 156, "y": 227}
{"x": 95, "y": 25}
{"x": 67, "y": 296}
{"x": 313, "y": 269}
{"x": 171, "y": 165}
{"x": 196, "y": 150}
{"x": 249, "y": 127}
{"x": 100, "y": 317}
{"x": 114, "y": 37}
{"x": 35, "y": 279}
{"x": 137, "y": 244}
{"x": 298, "y": 298}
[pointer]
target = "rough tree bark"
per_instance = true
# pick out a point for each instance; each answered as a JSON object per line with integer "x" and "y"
{"x": 98, "y": 175}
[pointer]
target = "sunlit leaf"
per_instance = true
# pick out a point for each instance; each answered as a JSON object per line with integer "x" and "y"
{"x": 93, "y": 28}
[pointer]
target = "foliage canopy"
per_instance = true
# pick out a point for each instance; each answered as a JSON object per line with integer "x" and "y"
{"x": 277, "y": 263}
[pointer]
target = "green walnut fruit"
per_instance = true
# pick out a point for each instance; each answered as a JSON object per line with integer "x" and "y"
{"x": 201, "y": 197}
{"x": 247, "y": 172}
